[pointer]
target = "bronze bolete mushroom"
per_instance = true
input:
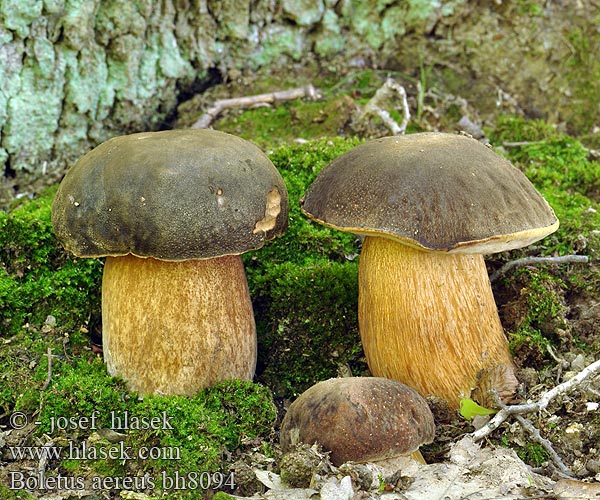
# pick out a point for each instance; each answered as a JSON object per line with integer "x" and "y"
{"x": 359, "y": 419}
{"x": 430, "y": 205}
{"x": 172, "y": 211}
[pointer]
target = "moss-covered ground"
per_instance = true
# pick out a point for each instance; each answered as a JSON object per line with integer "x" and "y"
{"x": 304, "y": 290}
{"x": 539, "y": 305}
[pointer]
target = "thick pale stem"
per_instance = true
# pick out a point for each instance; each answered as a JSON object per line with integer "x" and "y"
{"x": 428, "y": 319}
{"x": 418, "y": 457}
{"x": 177, "y": 327}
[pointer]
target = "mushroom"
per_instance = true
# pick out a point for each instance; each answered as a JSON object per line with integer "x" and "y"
{"x": 359, "y": 419}
{"x": 172, "y": 211}
{"x": 430, "y": 205}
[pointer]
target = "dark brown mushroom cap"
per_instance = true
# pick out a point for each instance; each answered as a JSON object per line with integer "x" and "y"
{"x": 359, "y": 419}
{"x": 172, "y": 195}
{"x": 433, "y": 191}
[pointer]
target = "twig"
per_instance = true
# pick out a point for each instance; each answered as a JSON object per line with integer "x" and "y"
{"x": 539, "y": 405}
{"x": 49, "y": 376}
{"x": 561, "y": 364}
{"x": 547, "y": 445}
{"x": 594, "y": 153}
{"x": 384, "y": 93}
{"x": 536, "y": 436}
{"x": 538, "y": 260}
{"x": 518, "y": 144}
{"x": 248, "y": 101}
{"x": 502, "y": 96}
{"x": 45, "y": 451}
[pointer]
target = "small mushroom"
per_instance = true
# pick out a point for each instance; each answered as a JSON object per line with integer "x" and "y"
{"x": 172, "y": 211}
{"x": 430, "y": 205}
{"x": 359, "y": 419}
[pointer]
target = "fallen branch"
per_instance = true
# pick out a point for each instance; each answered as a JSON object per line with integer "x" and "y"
{"x": 249, "y": 101}
{"x": 576, "y": 259}
{"x": 384, "y": 93}
{"x": 547, "y": 445}
{"x": 539, "y": 405}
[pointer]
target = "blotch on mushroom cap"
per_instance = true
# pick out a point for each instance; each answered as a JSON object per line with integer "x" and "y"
{"x": 433, "y": 191}
{"x": 172, "y": 195}
{"x": 359, "y": 419}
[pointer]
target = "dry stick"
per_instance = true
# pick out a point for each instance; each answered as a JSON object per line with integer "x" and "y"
{"x": 539, "y": 405}
{"x": 593, "y": 152}
{"x": 547, "y": 445}
{"x": 45, "y": 452}
{"x": 248, "y": 101}
{"x": 561, "y": 364}
{"x": 384, "y": 92}
{"x": 49, "y": 377}
{"x": 538, "y": 260}
{"x": 518, "y": 144}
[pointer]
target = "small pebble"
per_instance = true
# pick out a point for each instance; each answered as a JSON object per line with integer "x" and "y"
{"x": 50, "y": 320}
{"x": 593, "y": 466}
{"x": 342, "y": 491}
{"x": 578, "y": 363}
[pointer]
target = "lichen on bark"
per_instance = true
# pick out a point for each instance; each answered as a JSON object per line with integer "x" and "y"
{"x": 76, "y": 72}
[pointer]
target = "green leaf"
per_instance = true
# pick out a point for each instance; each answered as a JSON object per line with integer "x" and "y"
{"x": 470, "y": 409}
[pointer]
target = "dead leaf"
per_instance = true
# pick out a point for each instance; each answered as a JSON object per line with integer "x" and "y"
{"x": 571, "y": 489}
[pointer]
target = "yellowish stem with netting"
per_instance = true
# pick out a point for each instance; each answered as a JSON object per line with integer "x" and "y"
{"x": 177, "y": 327}
{"x": 428, "y": 319}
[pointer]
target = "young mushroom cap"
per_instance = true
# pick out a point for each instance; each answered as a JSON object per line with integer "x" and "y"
{"x": 430, "y": 205}
{"x": 359, "y": 419}
{"x": 172, "y": 211}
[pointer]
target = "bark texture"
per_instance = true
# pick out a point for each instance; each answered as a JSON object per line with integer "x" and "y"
{"x": 76, "y": 72}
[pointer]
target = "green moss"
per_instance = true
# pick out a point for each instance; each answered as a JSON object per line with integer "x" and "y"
{"x": 37, "y": 278}
{"x": 560, "y": 167}
{"x": 532, "y": 453}
{"x": 584, "y": 74}
{"x": 540, "y": 311}
{"x": 175, "y": 436}
{"x": 206, "y": 426}
{"x": 222, "y": 496}
{"x": 305, "y": 240}
{"x": 310, "y": 342}
{"x": 24, "y": 365}
{"x": 287, "y": 122}
{"x": 528, "y": 8}
{"x": 8, "y": 494}
{"x": 79, "y": 388}
{"x": 304, "y": 285}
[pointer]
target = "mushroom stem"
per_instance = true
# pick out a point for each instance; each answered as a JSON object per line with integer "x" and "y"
{"x": 428, "y": 319}
{"x": 177, "y": 327}
{"x": 417, "y": 457}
